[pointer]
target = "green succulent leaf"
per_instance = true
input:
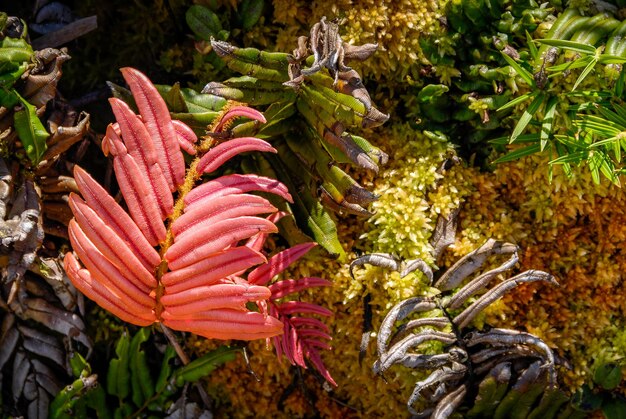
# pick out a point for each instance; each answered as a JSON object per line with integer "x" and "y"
{"x": 308, "y": 211}
{"x": 431, "y": 91}
{"x": 11, "y": 72}
{"x": 550, "y": 403}
{"x": 31, "y": 131}
{"x": 203, "y": 22}
{"x": 66, "y": 399}
{"x": 15, "y": 50}
{"x": 195, "y": 102}
{"x": 614, "y": 409}
{"x": 491, "y": 390}
{"x": 607, "y": 375}
{"x": 79, "y": 365}
{"x": 204, "y": 365}
{"x": 250, "y": 12}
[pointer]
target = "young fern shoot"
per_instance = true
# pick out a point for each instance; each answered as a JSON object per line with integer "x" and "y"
{"x": 180, "y": 260}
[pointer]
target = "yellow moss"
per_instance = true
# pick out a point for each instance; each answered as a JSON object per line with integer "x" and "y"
{"x": 571, "y": 228}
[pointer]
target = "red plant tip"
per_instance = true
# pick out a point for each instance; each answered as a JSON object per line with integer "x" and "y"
{"x": 238, "y": 111}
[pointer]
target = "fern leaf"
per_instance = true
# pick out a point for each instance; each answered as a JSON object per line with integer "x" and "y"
{"x": 188, "y": 272}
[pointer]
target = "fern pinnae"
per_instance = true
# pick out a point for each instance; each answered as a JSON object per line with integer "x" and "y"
{"x": 116, "y": 218}
{"x": 159, "y": 126}
{"x": 210, "y": 270}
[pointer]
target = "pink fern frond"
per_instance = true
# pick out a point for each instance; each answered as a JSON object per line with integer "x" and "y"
{"x": 316, "y": 360}
{"x": 109, "y": 242}
{"x": 107, "y": 275}
{"x": 222, "y": 208}
{"x": 226, "y": 324}
{"x": 225, "y": 151}
{"x": 234, "y": 184}
{"x": 203, "y": 242}
{"x": 185, "y": 136}
{"x": 212, "y": 268}
{"x": 303, "y": 336}
{"x": 116, "y": 218}
{"x": 105, "y": 297}
{"x": 211, "y": 297}
{"x": 141, "y": 148}
{"x": 158, "y": 123}
{"x": 212, "y": 237}
{"x": 257, "y": 241}
{"x": 239, "y": 111}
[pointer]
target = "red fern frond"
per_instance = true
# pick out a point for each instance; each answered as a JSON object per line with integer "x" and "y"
{"x": 303, "y": 337}
{"x": 181, "y": 263}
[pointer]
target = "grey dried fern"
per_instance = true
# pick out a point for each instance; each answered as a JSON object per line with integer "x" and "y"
{"x": 471, "y": 361}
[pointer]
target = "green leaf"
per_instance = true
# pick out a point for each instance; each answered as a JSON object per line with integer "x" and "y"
{"x": 8, "y": 98}
{"x": 79, "y": 365}
{"x": 166, "y": 369}
{"x": 523, "y": 73}
{"x": 599, "y": 125}
{"x": 140, "y": 378}
{"x": 527, "y": 116}
{"x": 614, "y": 117}
{"x": 250, "y": 12}
{"x": 516, "y": 101}
{"x": 519, "y": 153}
{"x": 611, "y": 59}
{"x": 15, "y": 50}
{"x": 96, "y": 399}
{"x": 575, "y": 158}
{"x": 31, "y": 131}
{"x": 10, "y": 73}
{"x": 524, "y": 138}
{"x": 203, "y": 22}
{"x": 175, "y": 100}
{"x": 585, "y": 73}
{"x": 614, "y": 409}
{"x": 204, "y": 365}
{"x": 570, "y": 65}
{"x": 548, "y": 119}
{"x": 532, "y": 49}
{"x": 118, "y": 377}
{"x": 569, "y": 45}
{"x": 431, "y": 91}
{"x": 595, "y": 161}
{"x": 310, "y": 214}
{"x": 608, "y": 375}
